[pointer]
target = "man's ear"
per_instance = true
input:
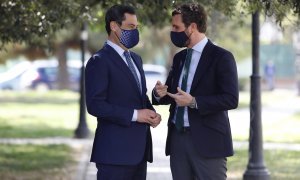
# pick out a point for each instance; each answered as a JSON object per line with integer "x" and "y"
{"x": 113, "y": 26}
{"x": 194, "y": 26}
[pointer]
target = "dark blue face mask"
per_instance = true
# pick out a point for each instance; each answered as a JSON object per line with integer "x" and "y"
{"x": 179, "y": 39}
{"x": 129, "y": 38}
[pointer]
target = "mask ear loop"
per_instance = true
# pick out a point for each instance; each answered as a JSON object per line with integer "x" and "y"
{"x": 117, "y": 34}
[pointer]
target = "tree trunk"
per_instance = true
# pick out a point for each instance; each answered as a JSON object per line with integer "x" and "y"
{"x": 63, "y": 75}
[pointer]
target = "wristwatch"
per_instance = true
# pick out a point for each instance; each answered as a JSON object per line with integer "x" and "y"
{"x": 193, "y": 104}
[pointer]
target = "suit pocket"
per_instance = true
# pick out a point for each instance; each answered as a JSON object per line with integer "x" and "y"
{"x": 218, "y": 124}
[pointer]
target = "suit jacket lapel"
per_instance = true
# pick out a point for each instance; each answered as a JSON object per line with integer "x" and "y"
{"x": 139, "y": 66}
{"x": 203, "y": 64}
{"x": 177, "y": 73}
{"x": 115, "y": 57}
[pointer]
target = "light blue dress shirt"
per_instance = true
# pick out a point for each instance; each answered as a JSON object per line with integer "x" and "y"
{"x": 197, "y": 52}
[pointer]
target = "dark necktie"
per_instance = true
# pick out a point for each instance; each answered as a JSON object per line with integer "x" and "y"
{"x": 132, "y": 69}
{"x": 180, "y": 110}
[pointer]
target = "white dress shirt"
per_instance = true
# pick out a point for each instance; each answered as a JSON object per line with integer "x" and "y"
{"x": 120, "y": 51}
{"x": 196, "y": 55}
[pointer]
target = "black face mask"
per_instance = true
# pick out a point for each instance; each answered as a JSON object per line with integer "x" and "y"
{"x": 179, "y": 39}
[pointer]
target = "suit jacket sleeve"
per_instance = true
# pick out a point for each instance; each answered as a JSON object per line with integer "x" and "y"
{"x": 226, "y": 86}
{"x": 96, "y": 84}
{"x": 149, "y": 105}
{"x": 170, "y": 83}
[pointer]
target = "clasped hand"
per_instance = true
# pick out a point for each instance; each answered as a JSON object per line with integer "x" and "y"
{"x": 148, "y": 116}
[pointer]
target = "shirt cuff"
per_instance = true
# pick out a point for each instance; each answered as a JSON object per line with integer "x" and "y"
{"x": 134, "y": 117}
{"x": 156, "y": 97}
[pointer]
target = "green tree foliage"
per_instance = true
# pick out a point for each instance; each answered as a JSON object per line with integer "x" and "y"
{"x": 31, "y": 21}
{"x": 279, "y": 9}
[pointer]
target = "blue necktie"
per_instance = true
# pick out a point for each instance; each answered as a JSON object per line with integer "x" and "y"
{"x": 132, "y": 69}
{"x": 179, "y": 122}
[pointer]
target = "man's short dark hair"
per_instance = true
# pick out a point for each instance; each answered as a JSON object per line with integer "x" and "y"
{"x": 192, "y": 13}
{"x": 117, "y": 13}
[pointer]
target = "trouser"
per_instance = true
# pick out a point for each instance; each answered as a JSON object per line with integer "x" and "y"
{"x": 122, "y": 172}
{"x": 186, "y": 164}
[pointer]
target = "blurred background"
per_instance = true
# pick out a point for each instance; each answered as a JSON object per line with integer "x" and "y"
{"x": 44, "y": 130}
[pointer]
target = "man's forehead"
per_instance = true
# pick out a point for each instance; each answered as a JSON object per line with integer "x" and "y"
{"x": 130, "y": 19}
{"x": 177, "y": 17}
{"x": 177, "y": 20}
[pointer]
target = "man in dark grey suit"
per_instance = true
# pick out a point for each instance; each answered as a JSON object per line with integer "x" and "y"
{"x": 201, "y": 87}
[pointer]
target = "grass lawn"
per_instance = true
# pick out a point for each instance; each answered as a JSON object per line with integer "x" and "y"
{"x": 34, "y": 115}
{"x": 267, "y": 97}
{"x": 34, "y": 162}
{"x": 283, "y": 165}
{"x": 283, "y": 129}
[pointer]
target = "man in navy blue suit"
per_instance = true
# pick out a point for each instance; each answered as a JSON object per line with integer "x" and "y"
{"x": 201, "y": 87}
{"x": 116, "y": 94}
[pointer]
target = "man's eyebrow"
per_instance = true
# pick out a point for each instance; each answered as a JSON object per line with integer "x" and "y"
{"x": 133, "y": 25}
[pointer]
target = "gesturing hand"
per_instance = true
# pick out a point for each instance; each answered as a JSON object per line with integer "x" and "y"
{"x": 181, "y": 98}
{"x": 160, "y": 89}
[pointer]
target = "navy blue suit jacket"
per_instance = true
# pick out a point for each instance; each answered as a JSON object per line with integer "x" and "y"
{"x": 215, "y": 87}
{"x": 112, "y": 95}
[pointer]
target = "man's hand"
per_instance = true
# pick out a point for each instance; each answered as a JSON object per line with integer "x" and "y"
{"x": 145, "y": 116}
{"x": 160, "y": 89}
{"x": 181, "y": 98}
{"x": 156, "y": 120}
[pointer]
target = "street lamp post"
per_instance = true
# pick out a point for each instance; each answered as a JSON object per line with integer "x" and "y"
{"x": 82, "y": 131}
{"x": 256, "y": 169}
